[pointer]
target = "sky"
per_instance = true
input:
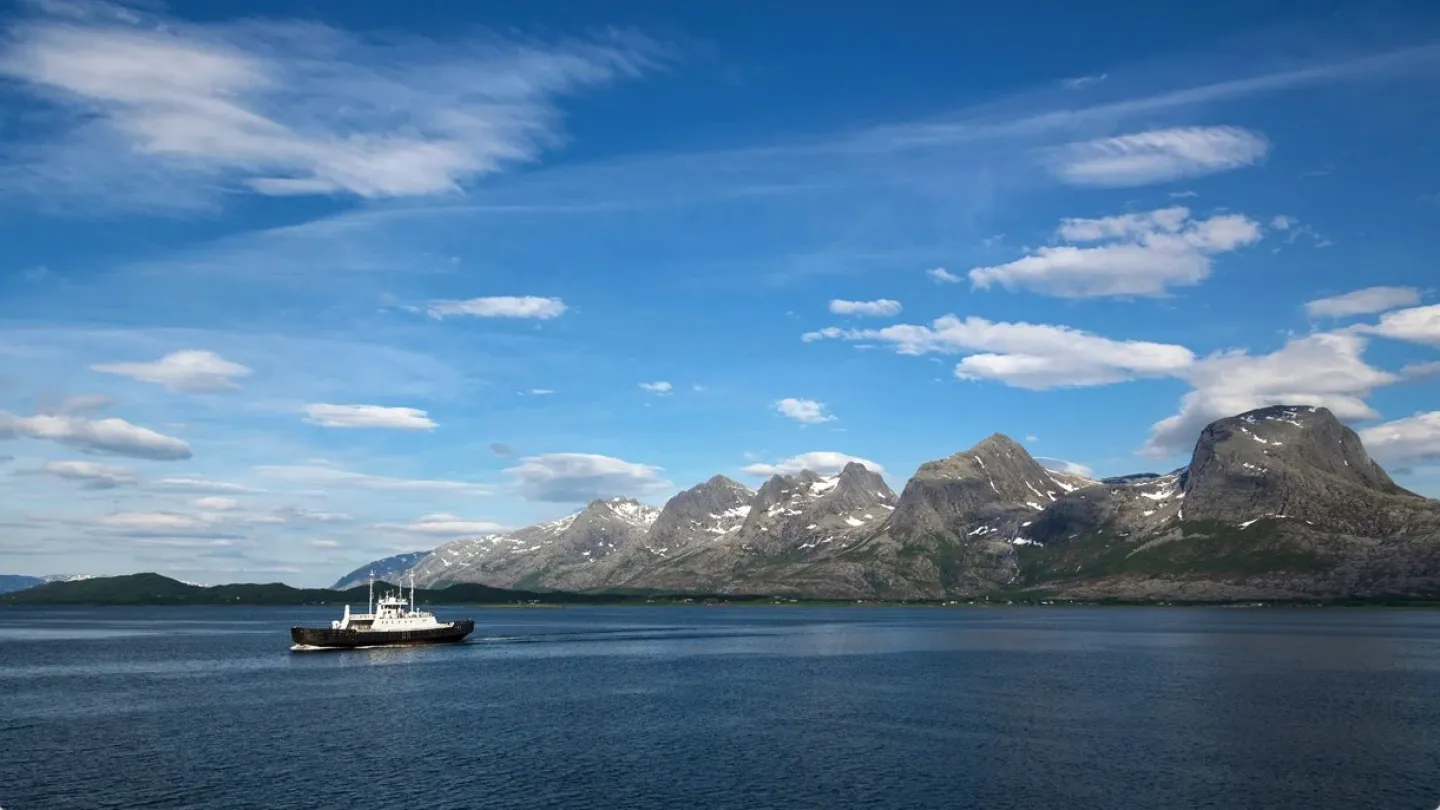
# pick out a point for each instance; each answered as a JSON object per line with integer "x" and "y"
{"x": 287, "y": 288}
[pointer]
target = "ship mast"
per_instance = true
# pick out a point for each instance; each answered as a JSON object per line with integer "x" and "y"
{"x": 370, "y": 604}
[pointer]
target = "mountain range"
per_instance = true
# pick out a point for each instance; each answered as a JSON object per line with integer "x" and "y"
{"x": 1281, "y": 502}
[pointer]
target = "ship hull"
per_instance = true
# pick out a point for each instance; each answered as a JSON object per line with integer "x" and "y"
{"x": 330, "y": 639}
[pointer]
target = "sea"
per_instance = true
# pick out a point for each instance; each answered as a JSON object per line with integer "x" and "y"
{"x": 727, "y": 707}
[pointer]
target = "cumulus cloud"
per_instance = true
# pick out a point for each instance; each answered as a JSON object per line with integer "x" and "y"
{"x": 191, "y": 370}
{"x": 1322, "y": 370}
{"x": 824, "y": 462}
{"x": 295, "y": 108}
{"x": 1363, "y": 302}
{"x": 1416, "y": 325}
{"x": 940, "y": 275}
{"x": 1142, "y": 255}
{"x": 90, "y": 474}
{"x": 367, "y": 416}
{"x": 580, "y": 477}
{"x": 805, "y": 411}
{"x": 1033, "y": 356}
{"x": 441, "y": 524}
{"x": 322, "y": 475}
{"x": 659, "y": 387}
{"x": 879, "y": 308}
{"x": 1158, "y": 156}
{"x": 503, "y": 306}
{"x": 1414, "y": 438}
{"x": 105, "y": 437}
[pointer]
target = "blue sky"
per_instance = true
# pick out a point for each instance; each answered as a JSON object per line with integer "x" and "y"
{"x": 285, "y": 293}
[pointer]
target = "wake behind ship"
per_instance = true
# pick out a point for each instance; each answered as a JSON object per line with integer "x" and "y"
{"x": 390, "y": 622}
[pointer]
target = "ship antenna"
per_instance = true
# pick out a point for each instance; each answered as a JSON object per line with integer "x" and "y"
{"x": 370, "y": 605}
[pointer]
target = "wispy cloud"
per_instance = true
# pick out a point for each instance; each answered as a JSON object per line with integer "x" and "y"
{"x": 940, "y": 275}
{"x": 527, "y": 306}
{"x": 90, "y": 474}
{"x": 1363, "y": 302}
{"x": 1024, "y": 355}
{"x": 191, "y": 370}
{"x": 367, "y": 416}
{"x": 255, "y": 103}
{"x": 659, "y": 387}
{"x": 1158, "y": 156}
{"x": 335, "y": 477}
{"x": 443, "y": 525}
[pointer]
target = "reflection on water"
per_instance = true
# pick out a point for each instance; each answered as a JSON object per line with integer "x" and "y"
{"x": 738, "y": 707}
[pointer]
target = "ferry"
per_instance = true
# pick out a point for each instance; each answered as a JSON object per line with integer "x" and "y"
{"x": 391, "y": 621}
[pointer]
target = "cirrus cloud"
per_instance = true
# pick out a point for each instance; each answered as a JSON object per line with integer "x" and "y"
{"x": 292, "y": 108}
{"x": 1158, "y": 156}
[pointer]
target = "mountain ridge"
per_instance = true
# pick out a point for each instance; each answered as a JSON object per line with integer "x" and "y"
{"x": 1281, "y": 500}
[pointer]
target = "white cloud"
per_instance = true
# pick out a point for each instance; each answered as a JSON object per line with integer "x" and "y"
{"x": 1363, "y": 302}
{"x": 659, "y": 387}
{"x": 1420, "y": 371}
{"x": 1145, "y": 255}
{"x": 443, "y": 525}
{"x": 303, "y": 515}
{"x": 1283, "y": 222}
{"x": 940, "y": 275}
{"x": 824, "y": 462}
{"x": 1416, "y": 325}
{"x": 1034, "y": 356}
{"x": 82, "y": 405}
{"x": 105, "y": 437}
{"x": 1158, "y": 156}
{"x": 1414, "y": 438}
{"x": 334, "y": 477}
{"x": 500, "y": 306}
{"x": 806, "y": 411}
{"x": 540, "y": 392}
{"x": 324, "y": 543}
{"x": 1081, "y": 82}
{"x": 189, "y": 370}
{"x": 367, "y": 416}
{"x": 91, "y": 474}
{"x": 1061, "y": 465}
{"x": 150, "y": 521}
{"x": 294, "y": 108}
{"x": 879, "y": 308}
{"x": 579, "y": 477}
{"x": 199, "y": 485}
{"x": 1321, "y": 370}
{"x": 217, "y": 504}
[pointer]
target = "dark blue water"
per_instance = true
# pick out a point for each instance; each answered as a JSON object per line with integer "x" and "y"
{"x": 727, "y": 708}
